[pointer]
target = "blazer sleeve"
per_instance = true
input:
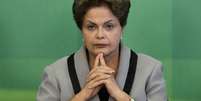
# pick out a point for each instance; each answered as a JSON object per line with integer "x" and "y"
{"x": 48, "y": 90}
{"x": 155, "y": 87}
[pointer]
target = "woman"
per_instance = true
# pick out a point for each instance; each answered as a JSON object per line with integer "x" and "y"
{"x": 103, "y": 69}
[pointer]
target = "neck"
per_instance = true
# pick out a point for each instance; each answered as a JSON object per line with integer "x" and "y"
{"x": 112, "y": 60}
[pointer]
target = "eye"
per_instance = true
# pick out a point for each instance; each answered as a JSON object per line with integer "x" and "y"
{"x": 91, "y": 27}
{"x": 109, "y": 26}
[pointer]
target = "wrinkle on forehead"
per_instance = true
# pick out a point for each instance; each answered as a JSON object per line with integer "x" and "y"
{"x": 99, "y": 15}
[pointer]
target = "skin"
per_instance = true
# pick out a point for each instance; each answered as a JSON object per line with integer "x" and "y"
{"x": 102, "y": 34}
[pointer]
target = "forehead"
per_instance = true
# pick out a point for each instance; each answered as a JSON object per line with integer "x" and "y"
{"x": 100, "y": 15}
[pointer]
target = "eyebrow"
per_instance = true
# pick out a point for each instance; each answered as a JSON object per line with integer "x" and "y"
{"x": 108, "y": 21}
{"x": 95, "y": 23}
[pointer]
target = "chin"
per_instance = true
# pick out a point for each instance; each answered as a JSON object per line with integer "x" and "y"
{"x": 105, "y": 52}
{"x": 97, "y": 51}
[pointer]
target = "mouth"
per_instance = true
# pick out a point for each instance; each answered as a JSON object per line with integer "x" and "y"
{"x": 100, "y": 45}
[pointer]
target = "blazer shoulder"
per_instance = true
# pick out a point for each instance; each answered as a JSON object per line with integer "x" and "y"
{"x": 147, "y": 63}
{"x": 146, "y": 59}
{"x": 57, "y": 66}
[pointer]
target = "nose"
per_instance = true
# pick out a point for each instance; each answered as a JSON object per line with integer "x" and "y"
{"x": 100, "y": 34}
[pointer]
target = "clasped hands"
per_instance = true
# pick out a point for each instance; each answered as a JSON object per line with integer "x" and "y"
{"x": 101, "y": 75}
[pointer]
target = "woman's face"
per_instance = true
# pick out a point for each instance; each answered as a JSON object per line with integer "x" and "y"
{"x": 101, "y": 31}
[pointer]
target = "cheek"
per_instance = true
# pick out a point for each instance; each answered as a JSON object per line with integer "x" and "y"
{"x": 87, "y": 40}
{"x": 87, "y": 36}
{"x": 116, "y": 38}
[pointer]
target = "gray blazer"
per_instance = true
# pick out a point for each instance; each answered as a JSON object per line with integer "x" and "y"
{"x": 149, "y": 84}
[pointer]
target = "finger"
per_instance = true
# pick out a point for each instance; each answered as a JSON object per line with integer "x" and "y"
{"x": 99, "y": 73}
{"x": 96, "y": 63}
{"x": 92, "y": 76}
{"x": 103, "y": 69}
{"x": 98, "y": 81}
{"x": 102, "y": 60}
{"x": 92, "y": 71}
{"x": 106, "y": 68}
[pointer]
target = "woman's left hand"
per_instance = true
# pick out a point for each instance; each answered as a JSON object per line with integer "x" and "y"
{"x": 110, "y": 83}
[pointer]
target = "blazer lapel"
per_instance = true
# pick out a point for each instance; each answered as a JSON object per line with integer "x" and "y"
{"x": 123, "y": 66}
{"x": 82, "y": 67}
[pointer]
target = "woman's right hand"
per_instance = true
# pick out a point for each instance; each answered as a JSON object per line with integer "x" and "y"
{"x": 89, "y": 90}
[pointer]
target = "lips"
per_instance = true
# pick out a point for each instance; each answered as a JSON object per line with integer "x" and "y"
{"x": 100, "y": 45}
